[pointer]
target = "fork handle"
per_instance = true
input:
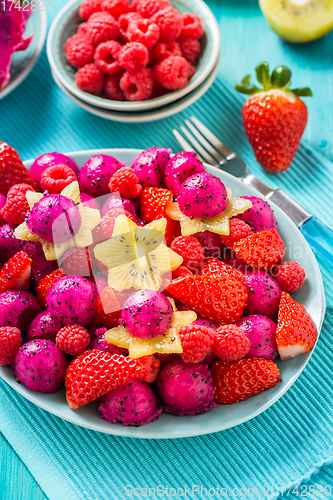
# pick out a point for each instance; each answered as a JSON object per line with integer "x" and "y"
{"x": 319, "y": 236}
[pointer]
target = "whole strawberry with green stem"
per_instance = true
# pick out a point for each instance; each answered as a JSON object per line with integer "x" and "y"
{"x": 274, "y": 117}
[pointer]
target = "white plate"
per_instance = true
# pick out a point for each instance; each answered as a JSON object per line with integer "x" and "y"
{"x": 311, "y": 296}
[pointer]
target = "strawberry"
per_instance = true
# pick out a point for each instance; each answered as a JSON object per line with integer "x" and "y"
{"x": 221, "y": 300}
{"x": 218, "y": 268}
{"x": 45, "y": 284}
{"x": 274, "y": 117}
{"x": 172, "y": 228}
{"x": 15, "y": 274}
{"x": 108, "y": 310}
{"x": 196, "y": 341}
{"x": 235, "y": 381}
{"x": 153, "y": 202}
{"x": 296, "y": 333}
{"x": 264, "y": 250}
{"x": 12, "y": 169}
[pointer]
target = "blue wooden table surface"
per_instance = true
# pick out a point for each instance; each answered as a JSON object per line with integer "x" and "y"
{"x": 246, "y": 40}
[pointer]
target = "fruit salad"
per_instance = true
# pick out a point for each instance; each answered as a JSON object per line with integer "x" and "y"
{"x": 147, "y": 288}
{"x": 133, "y": 51}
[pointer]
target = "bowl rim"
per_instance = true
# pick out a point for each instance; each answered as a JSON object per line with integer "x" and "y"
{"x": 139, "y": 432}
{"x": 41, "y": 40}
{"x": 128, "y": 106}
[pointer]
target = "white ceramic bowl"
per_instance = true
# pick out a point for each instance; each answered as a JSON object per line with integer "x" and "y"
{"x": 311, "y": 296}
{"x": 66, "y": 23}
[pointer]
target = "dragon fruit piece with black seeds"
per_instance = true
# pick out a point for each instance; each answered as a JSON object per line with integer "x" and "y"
{"x": 134, "y": 403}
{"x": 89, "y": 201}
{"x": 96, "y": 173}
{"x": 202, "y": 195}
{"x": 49, "y": 160}
{"x": 261, "y": 332}
{"x": 18, "y": 308}
{"x": 3, "y": 200}
{"x": 42, "y": 327}
{"x": 122, "y": 203}
{"x": 72, "y": 299}
{"x": 149, "y": 166}
{"x": 264, "y": 294}
{"x": 181, "y": 166}
{"x": 40, "y": 366}
{"x": 98, "y": 342}
{"x": 147, "y": 314}
{"x": 211, "y": 243}
{"x": 260, "y": 216}
{"x": 186, "y": 388}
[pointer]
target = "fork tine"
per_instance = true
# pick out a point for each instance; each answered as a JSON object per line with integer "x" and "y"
{"x": 213, "y": 139}
{"x": 197, "y": 147}
{"x": 212, "y": 151}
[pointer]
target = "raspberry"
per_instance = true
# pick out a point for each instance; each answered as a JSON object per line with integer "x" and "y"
{"x": 158, "y": 91}
{"x": 190, "y": 249}
{"x": 77, "y": 262}
{"x": 116, "y": 7}
{"x": 73, "y": 339}
{"x": 111, "y": 87}
{"x": 90, "y": 79}
{"x": 125, "y": 182}
{"x": 290, "y": 276}
{"x": 151, "y": 59}
{"x": 106, "y": 57}
{"x": 170, "y": 23}
{"x": 143, "y": 31}
{"x": 45, "y": 284}
{"x": 10, "y": 340}
{"x": 133, "y": 56}
{"x": 192, "y": 26}
{"x": 230, "y": 343}
{"x": 148, "y": 8}
{"x": 79, "y": 50}
{"x": 107, "y": 222}
{"x": 196, "y": 341}
{"x": 124, "y": 21}
{"x": 190, "y": 49}
{"x": 164, "y": 50}
{"x": 180, "y": 272}
{"x": 16, "y": 205}
{"x": 102, "y": 27}
{"x": 89, "y": 7}
{"x": 137, "y": 85}
{"x": 82, "y": 29}
{"x": 151, "y": 368}
{"x": 238, "y": 230}
{"x": 190, "y": 70}
{"x": 54, "y": 179}
{"x": 172, "y": 73}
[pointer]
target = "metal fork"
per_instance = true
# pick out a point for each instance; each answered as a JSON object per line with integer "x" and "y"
{"x": 211, "y": 150}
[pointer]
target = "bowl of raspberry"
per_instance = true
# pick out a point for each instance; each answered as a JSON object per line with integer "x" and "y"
{"x": 132, "y": 57}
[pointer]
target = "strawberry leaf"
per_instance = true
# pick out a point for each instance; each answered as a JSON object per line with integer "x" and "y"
{"x": 262, "y": 72}
{"x": 302, "y": 92}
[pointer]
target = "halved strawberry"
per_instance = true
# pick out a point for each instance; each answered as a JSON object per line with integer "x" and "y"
{"x": 153, "y": 202}
{"x": 218, "y": 268}
{"x": 221, "y": 300}
{"x": 12, "y": 169}
{"x": 296, "y": 333}
{"x": 15, "y": 274}
{"x": 172, "y": 228}
{"x": 263, "y": 250}
{"x": 235, "y": 381}
{"x": 45, "y": 284}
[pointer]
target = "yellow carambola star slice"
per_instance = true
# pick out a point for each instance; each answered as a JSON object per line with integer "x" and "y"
{"x": 136, "y": 256}
{"x": 90, "y": 218}
{"x": 167, "y": 343}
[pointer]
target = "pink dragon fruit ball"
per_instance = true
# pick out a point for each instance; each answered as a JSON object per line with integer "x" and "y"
{"x": 40, "y": 366}
{"x": 89, "y": 201}
{"x": 205, "y": 322}
{"x": 211, "y": 242}
{"x": 48, "y": 160}
{"x": 202, "y": 195}
{"x": 186, "y": 388}
{"x": 166, "y": 358}
{"x": 261, "y": 332}
{"x": 18, "y": 308}
{"x": 116, "y": 202}
{"x": 264, "y": 294}
{"x": 3, "y": 200}
{"x": 181, "y": 166}
{"x": 260, "y": 216}
{"x": 149, "y": 166}
{"x": 147, "y": 314}
{"x": 54, "y": 218}
{"x": 96, "y": 173}
{"x": 98, "y": 342}
{"x": 134, "y": 403}
{"x": 42, "y": 327}
{"x": 72, "y": 299}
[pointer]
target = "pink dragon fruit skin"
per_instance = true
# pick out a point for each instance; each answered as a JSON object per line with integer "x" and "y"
{"x": 202, "y": 195}
{"x": 134, "y": 403}
{"x": 2, "y": 204}
{"x": 205, "y": 322}
{"x": 18, "y": 308}
{"x": 42, "y": 327}
{"x": 48, "y": 160}
{"x": 89, "y": 201}
{"x": 260, "y": 216}
{"x": 40, "y": 366}
{"x": 181, "y": 166}
{"x": 166, "y": 358}
{"x": 116, "y": 202}
{"x": 72, "y": 299}
{"x": 149, "y": 166}
{"x": 96, "y": 173}
{"x": 98, "y": 342}
{"x": 212, "y": 244}
{"x": 264, "y": 294}
{"x": 12, "y": 26}
{"x": 147, "y": 314}
{"x": 261, "y": 332}
{"x": 186, "y": 388}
